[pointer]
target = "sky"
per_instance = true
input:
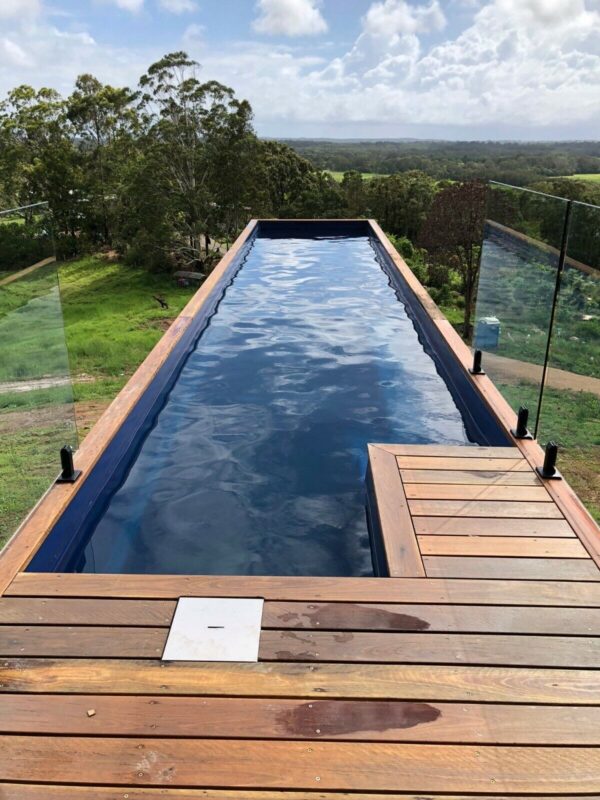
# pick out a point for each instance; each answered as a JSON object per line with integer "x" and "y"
{"x": 443, "y": 69}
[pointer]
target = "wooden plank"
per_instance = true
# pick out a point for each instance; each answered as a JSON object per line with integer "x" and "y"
{"x": 29, "y": 791}
{"x": 466, "y": 476}
{"x": 80, "y": 641}
{"x": 280, "y": 679}
{"x": 368, "y": 647}
{"x": 337, "y": 766}
{"x": 22, "y": 791}
{"x": 328, "y": 616}
{"x": 370, "y": 590}
{"x": 483, "y": 508}
{"x": 241, "y": 718}
{"x": 452, "y": 451}
{"x": 560, "y": 569}
{"x": 456, "y": 618}
{"x": 450, "y": 491}
{"x": 431, "y": 648}
{"x": 519, "y": 547}
{"x": 83, "y": 611}
{"x": 488, "y": 526}
{"x": 473, "y": 464}
{"x": 399, "y": 541}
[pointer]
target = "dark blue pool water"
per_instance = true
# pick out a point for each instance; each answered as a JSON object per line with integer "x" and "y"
{"x": 257, "y": 460}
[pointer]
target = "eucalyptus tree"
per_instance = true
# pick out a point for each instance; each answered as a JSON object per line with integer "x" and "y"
{"x": 104, "y": 122}
{"x": 37, "y": 156}
{"x": 199, "y": 138}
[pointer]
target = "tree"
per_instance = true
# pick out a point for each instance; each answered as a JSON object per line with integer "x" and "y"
{"x": 198, "y": 136}
{"x": 353, "y": 187}
{"x": 452, "y": 234}
{"x": 400, "y": 202}
{"x": 103, "y": 121}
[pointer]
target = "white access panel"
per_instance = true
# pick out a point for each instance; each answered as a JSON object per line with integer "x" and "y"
{"x": 215, "y": 629}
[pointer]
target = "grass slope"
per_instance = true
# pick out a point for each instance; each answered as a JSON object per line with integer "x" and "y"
{"x": 111, "y": 322}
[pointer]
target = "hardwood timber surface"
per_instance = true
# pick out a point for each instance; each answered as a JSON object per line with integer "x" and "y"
{"x": 481, "y": 523}
{"x": 415, "y": 687}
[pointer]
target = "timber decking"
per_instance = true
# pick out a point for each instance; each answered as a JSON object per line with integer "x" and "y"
{"x": 446, "y": 687}
{"x": 474, "y": 672}
{"x": 459, "y": 513}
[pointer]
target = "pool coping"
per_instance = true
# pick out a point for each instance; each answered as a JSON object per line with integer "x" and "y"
{"x": 35, "y": 528}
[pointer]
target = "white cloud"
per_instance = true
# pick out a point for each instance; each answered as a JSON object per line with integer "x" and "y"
{"x": 392, "y": 19}
{"x": 19, "y": 8}
{"x": 289, "y": 18}
{"x": 13, "y": 53}
{"x": 178, "y": 6}
{"x": 524, "y": 68}
{"x": 128, "y": 5}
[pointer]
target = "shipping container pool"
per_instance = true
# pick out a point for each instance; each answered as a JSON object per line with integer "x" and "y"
{"x": 246, "y": 454}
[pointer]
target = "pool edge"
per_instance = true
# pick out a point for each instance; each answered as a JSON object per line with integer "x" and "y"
{"x": 34, "y": 530}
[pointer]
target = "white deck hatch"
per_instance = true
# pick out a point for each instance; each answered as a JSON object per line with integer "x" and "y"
{"x": 215, "y": 629}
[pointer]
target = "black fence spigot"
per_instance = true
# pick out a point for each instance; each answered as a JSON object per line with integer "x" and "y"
{"x": 521, "y": 431}
{"x": 548, "y": 471}
{"x": 476, "y": 368}
{"x": 69, "y": 474}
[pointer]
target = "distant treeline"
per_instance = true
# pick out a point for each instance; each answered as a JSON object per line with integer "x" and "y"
{"x": 517, "y": 163}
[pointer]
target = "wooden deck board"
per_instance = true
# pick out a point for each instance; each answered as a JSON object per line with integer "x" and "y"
{"x": 257, "y": 718}
{"x": 299, "y": 765}
{"x": 12, "y": 791}
{"x": 282, "y": 615}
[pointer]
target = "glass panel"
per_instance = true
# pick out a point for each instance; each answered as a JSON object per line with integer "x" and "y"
{"x": 571, "y": 405}
{"x": 519, "y": 263}
{"x": 25, "y": 238}
{"x": 36, "y": 397}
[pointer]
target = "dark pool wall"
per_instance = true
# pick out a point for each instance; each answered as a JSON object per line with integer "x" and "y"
{"x": 256, "y": 457}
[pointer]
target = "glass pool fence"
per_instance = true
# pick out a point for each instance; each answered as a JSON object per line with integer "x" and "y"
{"x": 36, "y": 396}
{"x": 537, "y": 318}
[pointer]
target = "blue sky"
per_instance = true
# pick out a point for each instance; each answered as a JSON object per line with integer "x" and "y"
{"x": 467, "y": 69}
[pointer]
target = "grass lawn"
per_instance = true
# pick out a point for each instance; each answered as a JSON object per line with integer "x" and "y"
{"x": 592, "y": 177}
{"x": 111, "y": 321}
{"x": 572, "y": 420}
{"x": 339, "y": 176}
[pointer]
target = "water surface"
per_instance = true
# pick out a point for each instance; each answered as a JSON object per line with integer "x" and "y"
{"x": 256, "y": 463}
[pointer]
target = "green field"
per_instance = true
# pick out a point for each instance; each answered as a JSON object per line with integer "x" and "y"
{"x": 339, "y": 176}
{"x": 592, "y": 177}
{"x": 111, "y": 322}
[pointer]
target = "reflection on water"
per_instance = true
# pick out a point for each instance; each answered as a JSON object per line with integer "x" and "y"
{"x": 256, "y": 463}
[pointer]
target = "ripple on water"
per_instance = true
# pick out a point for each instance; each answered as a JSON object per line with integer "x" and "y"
{"x": 256, "y": 463}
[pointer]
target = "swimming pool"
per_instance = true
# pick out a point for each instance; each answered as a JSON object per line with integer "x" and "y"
{"x": 247, "y": 454}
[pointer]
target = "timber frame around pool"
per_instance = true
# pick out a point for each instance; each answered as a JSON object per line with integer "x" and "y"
{"x": 473, "y": 670}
